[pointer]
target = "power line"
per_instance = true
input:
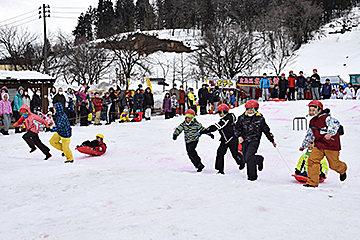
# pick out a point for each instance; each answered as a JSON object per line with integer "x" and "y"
{"x": 67, "y": 12}
{"x": 26, "y": 22}
{"x": 34, "y": 15}
{"x": 70, "y": 7}
{"x": 64, "y": 17}
{"x": 19, "y": 16}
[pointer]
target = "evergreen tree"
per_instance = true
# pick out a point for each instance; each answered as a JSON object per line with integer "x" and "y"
{"x": 125, "y": 15}
{"x": 105, "y": 22}
{"x": 144, "y": 15}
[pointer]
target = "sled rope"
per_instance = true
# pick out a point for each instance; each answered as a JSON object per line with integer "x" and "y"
{"x": 283, "y": 159}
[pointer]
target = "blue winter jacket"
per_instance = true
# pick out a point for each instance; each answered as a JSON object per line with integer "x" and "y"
{"x": 62, "y": 127}
{"x": 232, "y": 100}
{"x": 18, "y": 102}
{"x": 326, "y": 89}
{"x": 300, "y": 82}
{"x": 264, "y": 83}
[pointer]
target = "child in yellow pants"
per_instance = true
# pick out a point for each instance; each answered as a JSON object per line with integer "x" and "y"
{"x": 63, "y": 132}
{"x": 62, "y": 146}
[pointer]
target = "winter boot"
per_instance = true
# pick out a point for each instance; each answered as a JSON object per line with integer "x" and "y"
{"x": 308, "y": 185}
{"x": 48, "y": 156}
{"x": 69, "y": 161}
{"x": 220, "y": 172}
{"x": 343, "y": 177}
{"x": 2, "y": 131}
{"x": 63, "y": 154}
{"x": 6, "y": 133}
{"x": 33, "y": 149}
{"x": 260, "y": 163}
{"x": 201, "y": 167}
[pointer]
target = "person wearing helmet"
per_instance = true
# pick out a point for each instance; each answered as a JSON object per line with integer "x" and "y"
{"x": 191, "y": 127}
{"x": 137, "y": 116}
{"x": 32, "y": 125}
{"x": 324, "y": 132}
{"x": 249, "y": 128}
{"x": 315, "y": 85}
{"x": 227, "y": 140}
{"x": 124, "y": 116}
{"x": 97, "y": 144}
{"x": 61, "y": 139}
{"x": 283, "y": 86}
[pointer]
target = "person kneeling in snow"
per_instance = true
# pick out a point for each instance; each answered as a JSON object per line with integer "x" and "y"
{"x": 191, "y": 127}
{"x": 228, "y": 138}
{"x": 302, "y": 166}
{"x": 62, "y": 133}
{"x": 31, "y": 122}
{"x": 124, "y": 116}
{"x": 137, "y": 116}
{"x": 97, "y": 144}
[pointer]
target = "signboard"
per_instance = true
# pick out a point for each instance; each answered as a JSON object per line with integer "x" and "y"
{"x": 255, "y": 81}
{"x": 355, "y": 78}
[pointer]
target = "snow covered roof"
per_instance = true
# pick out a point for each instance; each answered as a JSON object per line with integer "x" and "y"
{"x": 23, "y": 75}
{"x": 333, "y": 79}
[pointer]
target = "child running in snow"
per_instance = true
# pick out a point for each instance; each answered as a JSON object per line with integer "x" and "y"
{"x": 249, "y": 128}
{"x": 191, "y": 127}
{"x": 61, "y": 139}
{"x": 5, "y": 113}
{"x": 302, "y": 166}
{"x": 98, "y": 144}
{"x": 324, "y": 132}
{"x": 228, "y": 139}
{"x": 31, "y": 122}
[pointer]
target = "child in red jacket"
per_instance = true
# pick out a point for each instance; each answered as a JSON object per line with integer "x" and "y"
{"x": 32, "y": 122}
{"x": 98, "y": 144}
{"x": 98, "y": 105}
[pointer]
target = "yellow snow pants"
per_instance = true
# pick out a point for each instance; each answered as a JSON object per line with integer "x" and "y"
{"x": 62, "y": 146}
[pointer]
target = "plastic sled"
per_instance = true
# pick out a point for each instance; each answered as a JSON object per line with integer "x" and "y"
{"x": 274, "y": 99}
{"x": 89, "y": 151}
{"x": 303, "y": 179}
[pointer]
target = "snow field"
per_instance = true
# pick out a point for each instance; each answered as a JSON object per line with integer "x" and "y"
{"x": 145, "y": 186}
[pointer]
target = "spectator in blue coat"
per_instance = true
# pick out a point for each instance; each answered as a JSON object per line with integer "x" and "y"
{"x": 300, "y": 85}
{"x": 232, "y": 99}
{"x": 264, "y": 87}
{"x": 326, "y": 90}
{"x": 18, "y": 102}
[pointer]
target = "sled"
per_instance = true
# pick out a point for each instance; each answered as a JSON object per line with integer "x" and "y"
{"x": 274, "y": 99}
{"x": 303, "y": 179}
{"x": 89, "y": 151}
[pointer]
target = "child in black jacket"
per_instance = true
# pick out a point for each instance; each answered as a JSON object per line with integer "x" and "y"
{"x": 227, "y": 140}
{"x": 249, "y": 128}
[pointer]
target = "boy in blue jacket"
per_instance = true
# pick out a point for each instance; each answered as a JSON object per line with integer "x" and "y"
{"x": 264, "y": 86}
{"x": 62, "y": 133}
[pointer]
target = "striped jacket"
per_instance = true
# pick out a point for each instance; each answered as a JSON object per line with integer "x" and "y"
{"x": 190, "y": 130}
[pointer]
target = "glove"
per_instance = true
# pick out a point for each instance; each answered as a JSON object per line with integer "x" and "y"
{"x": 198, "y": 133}
{"x": 47, "y": 129}
{"x": 322, "y": 175}
{"x": 175, "y": 136}
{"x": 53, "y": 129}
{"x": 211, "y": 135}
{"x": 297, "y": 172}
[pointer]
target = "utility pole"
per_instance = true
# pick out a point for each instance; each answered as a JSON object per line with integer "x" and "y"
{"x": 44, "y": 12}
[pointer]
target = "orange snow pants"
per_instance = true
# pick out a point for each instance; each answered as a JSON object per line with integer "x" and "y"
{"x": 314, "y": 164}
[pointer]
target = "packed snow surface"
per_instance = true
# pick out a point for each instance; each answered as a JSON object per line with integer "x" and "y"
{"x": 145, "y": 186}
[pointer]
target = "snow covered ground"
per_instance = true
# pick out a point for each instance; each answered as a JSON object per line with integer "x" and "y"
{"x": 145, "y": 187}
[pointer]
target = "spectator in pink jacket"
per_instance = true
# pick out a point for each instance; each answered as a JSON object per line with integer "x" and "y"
{"x": 5, "y": 113}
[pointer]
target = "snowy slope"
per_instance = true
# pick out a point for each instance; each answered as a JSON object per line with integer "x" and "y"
{"x": 145, "y": 187}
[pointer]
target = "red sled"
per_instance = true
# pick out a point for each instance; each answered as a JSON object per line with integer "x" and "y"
{"x": 274, "y": 99}
{"x": 303, "y": 179}
{"x": 89, "y": 151}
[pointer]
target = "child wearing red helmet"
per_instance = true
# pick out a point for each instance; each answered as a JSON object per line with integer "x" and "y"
{"x": 191, "y": 127}
{"x": 228, "y": 139}
{"x": 324, "y": 131}
{"x": 249, "y": 128}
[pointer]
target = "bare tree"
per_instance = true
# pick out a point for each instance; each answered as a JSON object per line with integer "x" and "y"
{"x": 83, "y": 62}
{"x": 16, "y": 46}
{"x": 228, "y": 52}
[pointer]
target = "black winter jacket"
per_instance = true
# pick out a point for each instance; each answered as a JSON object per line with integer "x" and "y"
{"x": 225, "y": 127}
{"x": 283, "y": 84}
{"x": 148, "y": 100}
{"x": 251, "y": 128}
{"x": 59, "y": 98}
{"x": 315, "y": 80}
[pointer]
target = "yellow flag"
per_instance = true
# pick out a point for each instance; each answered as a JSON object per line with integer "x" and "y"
{"x": 149, "y": 84}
